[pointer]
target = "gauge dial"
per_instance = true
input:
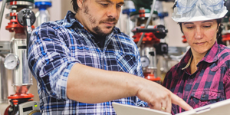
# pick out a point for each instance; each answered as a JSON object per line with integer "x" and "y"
{"x": 145, "y": 61}
{"x": 11, "y": 61}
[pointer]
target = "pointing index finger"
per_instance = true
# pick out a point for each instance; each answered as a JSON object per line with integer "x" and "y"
{"x": 178, "y": 101}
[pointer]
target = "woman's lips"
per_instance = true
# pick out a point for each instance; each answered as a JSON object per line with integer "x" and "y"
{"x": 200, "y": 43}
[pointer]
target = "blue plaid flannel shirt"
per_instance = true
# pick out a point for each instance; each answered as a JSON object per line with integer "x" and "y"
{"x": 55, "y": 47}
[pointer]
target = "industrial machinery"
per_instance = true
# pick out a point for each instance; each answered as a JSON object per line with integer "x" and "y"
{"x": 128, "y": 9}
{"x": 42, "y": 15}
{"x": 148, "y": 36}
{"x": 4, "y": 49}
{"x": 21, "y": 20}
{"x": 147, "y": 50}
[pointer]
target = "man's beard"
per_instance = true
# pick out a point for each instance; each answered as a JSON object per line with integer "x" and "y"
{"x": 97, "y": 29}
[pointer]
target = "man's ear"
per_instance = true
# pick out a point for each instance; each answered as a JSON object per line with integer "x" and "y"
{"x": 80, "y": 3}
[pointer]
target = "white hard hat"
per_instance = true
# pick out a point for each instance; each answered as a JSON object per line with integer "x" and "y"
{"x": 198, "y": 10}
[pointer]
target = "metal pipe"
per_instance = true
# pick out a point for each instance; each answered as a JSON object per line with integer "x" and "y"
{"x": 148, "y": 21}
{"x": 3, "y": 83}
{"x": 22, "y": 77}
{"x": 2, "y": 11}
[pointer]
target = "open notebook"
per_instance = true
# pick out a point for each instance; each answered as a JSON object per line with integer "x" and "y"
{"x": 219, "y": 108}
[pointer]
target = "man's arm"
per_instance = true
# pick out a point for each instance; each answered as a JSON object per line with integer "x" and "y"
{"x": 61, "y": 75}
{"x": 92, "y": 85}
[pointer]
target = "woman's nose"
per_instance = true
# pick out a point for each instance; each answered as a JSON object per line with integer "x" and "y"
{"x": 198, "y": 33}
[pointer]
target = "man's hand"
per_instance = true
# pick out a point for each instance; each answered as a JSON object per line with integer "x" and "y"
{"x": 159, "y": 98}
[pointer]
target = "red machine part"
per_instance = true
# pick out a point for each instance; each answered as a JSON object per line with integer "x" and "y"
{"x": 15, "y": 100}
{"x": 13, "y": 3}
{"x": 184, "y": 39}
{"x": 226, "y": 37}
{"x": 149, "y": 37}
{"x": 14, "y": 26}
{"x": 6, "y": 111}
{"x": 16, "y": 97}
{"x": 20, "y": 96}
{"x": 142, "y": 12}
{"x": 151, "y": 77}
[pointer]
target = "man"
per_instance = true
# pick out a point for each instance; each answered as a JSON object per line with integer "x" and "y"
{"x": 83, "y": 64}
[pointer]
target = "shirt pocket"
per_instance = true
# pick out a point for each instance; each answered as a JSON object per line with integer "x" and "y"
{"x": 202, "y": 98}
{"x": 126, "y": 61}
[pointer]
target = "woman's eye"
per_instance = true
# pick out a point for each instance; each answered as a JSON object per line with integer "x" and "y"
{"x": 189, "y": 27}
{"x": 207, "y": 26}
{"x": 105, "y": 5}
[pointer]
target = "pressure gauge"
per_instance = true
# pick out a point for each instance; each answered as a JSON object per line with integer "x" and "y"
{"x": 145, "y": 61}
{"x": 11, "y": 61}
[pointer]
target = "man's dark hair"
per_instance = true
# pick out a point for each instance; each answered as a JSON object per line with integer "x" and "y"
{"x": 75, "y": 6}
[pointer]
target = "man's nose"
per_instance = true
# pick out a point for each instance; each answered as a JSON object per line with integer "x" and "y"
{"x": 113, "y": 12}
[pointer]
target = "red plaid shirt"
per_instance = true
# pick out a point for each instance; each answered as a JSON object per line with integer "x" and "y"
{"x": 209, "y": 84}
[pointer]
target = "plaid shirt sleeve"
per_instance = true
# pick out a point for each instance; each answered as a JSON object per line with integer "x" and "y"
{"x": 226, "y": 81}
{"x": 167, "y": 81}
{"x": 139, "y": 66}
{"x": 49, "y": 60}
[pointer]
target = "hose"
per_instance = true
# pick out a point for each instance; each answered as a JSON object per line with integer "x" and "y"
{"x": 148, "y": 21}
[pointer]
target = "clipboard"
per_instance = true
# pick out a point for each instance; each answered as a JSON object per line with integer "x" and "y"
{"x": 219, "y": 108}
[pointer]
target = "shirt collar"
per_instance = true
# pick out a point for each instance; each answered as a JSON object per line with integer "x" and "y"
{"x": 210, "y": 57}
{"x": 70, "y": 20}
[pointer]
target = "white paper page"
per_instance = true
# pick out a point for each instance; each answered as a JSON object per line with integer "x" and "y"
{"x": 219, "y": 108}
{"x": 122, "y": 109}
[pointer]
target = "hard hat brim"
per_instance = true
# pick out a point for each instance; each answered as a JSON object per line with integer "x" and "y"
{"x": 200, "y": 18}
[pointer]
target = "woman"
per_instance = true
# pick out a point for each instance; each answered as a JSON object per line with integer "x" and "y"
{"x": 202, "y": 76}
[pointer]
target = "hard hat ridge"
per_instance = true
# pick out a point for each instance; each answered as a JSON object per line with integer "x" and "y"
{"x": 198, "y": 10}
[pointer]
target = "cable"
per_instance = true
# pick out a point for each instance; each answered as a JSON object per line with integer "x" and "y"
{"x": 2, "y": 12}
{"x": 146, "y": 26}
